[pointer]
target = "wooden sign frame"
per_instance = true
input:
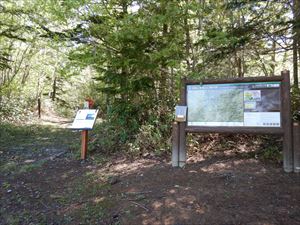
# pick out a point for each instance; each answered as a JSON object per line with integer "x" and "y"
{"x": 180, "y": 129}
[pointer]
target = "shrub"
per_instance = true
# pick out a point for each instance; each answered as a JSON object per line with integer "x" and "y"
{"x": 15, "y": 109}
{"x": 150, "y": 138}
{"x": 295, "y": 100}
{"x": 125, "y": 131}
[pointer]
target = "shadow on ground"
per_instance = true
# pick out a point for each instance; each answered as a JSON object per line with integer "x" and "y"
{"x": 115, "y": 190}
{"x": 217, "y": 191}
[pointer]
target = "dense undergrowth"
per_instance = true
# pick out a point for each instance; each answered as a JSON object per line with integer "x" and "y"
{"x": 16, "y": 109}
{"x": 134, "y": 134}
{"x": 263, "y": 147}
{"x": 295, "y": 100}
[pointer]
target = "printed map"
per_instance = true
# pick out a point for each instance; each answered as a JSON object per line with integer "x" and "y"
{"x": 216, "y": 105}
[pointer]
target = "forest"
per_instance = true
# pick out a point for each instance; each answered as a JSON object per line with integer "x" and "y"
{"x": 131, "y": 57}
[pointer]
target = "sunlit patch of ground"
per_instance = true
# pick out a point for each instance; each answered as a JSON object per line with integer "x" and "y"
{"x": 44, "y": 182}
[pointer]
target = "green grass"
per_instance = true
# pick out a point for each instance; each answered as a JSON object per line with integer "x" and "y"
{"x": 8, "y": 167}
{"x": 15, "y": 168}
{"x": 33, "y": 134}
{"x": 30, "y": 167}
{"x": 31, "y": 142}
{"x": 24, "y": 150}
{"x": 87, "y": 191}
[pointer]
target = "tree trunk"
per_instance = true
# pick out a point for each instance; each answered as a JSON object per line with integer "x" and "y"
{"x": 39, "y": 107}
{"x": 164, "y": 71}
{"x": 187, "y": 39}
{"x": 273, "y": 58}
{"x": 295, "y": 63}
{"x": 296, "y": 41}
{"x": 54, "y": 89}
{"x": 238, "y": 64}
{"x": 162, "y": 86}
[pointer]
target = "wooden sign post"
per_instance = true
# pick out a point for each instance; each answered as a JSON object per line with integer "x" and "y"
{"x": 84, "y": 121}
{"x": 84, "y": 143}
{"x": 249, "y": 105}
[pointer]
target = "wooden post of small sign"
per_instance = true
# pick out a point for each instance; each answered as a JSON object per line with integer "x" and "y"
{"x": 84, "y": 143}
{"x": 288, "y": 164}
{"x": 84, "y": 136}
{"x": 296, "y": 147}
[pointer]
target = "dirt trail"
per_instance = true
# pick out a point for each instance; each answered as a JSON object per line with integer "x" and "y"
{"x": 50, "y": 118}
{"x": 44, "y": 182}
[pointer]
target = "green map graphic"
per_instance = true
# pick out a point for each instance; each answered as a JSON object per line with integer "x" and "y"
{"x": 215, "y": 105}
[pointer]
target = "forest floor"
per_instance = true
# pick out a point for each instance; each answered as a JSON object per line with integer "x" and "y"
{"x": 43, "y": 181}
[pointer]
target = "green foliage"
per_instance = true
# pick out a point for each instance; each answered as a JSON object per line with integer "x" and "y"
{"x": 130, "y": 56}
{"x": 270, "y": 149}
{"x": 151, "y": 135}
{"x": 295, "y": 99}
{"x": 272, "y": 153}
{"x": 15, "y": 108}
{"x": 134, "y": 68}
{"x": 141, "y": 56}
{"x": 151, "y": 138}
{"x": 106, "y": 138}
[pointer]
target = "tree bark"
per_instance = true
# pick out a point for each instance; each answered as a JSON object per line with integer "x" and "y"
{"x": 238, "y": 64}
{"x": 297, "y": 24}
{"x": 187, "y": 39}
{"x": 296, "y": 41}
{"x": 54, "y": 89}
{"x": 273, "y": 58}
{"x": 162, "y": 86}
{"x": 39, "y": 107}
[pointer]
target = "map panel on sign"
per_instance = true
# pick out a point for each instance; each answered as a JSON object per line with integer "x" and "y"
{"x": 234, "y": 104}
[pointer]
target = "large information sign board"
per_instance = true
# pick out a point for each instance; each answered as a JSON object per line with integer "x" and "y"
{"x": 248, "y": 105}
{"x": 253, "y": 104}
{"x": 85, "y": 119}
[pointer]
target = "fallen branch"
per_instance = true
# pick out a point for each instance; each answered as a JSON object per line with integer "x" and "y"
{"x": 138, "y": 192}
{"x": 140, "y": 205}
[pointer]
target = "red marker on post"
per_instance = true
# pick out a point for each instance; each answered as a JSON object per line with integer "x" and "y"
{"x": 89, "y": 103}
